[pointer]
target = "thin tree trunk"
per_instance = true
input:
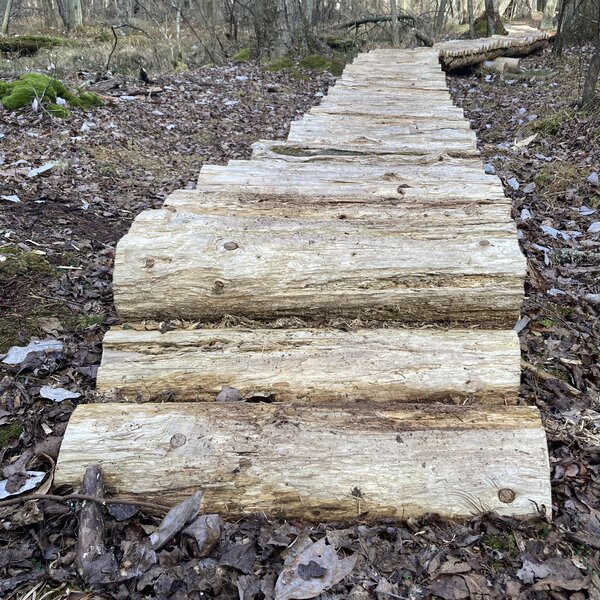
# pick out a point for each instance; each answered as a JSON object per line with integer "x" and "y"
{"x": 471, "y": 14}
{"x": 439, "y": 21}
{"x": 591, "y": 79}
{"x": 6, "y": 19}
{"x": 394, "y": 14}
{"x": 558, "y": 44}
{"x": 490, "y": 14}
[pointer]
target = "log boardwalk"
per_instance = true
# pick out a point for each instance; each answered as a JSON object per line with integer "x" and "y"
{"x": 371, "y": 275}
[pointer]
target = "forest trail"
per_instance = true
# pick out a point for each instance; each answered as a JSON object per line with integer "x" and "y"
{"x": 358, "y": 286}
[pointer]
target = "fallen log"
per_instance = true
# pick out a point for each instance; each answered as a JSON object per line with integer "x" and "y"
{"x": 316, "y": 463}
{"x": 30, "y": 44}
{"x": 366, "y": 260}
{"x": 307, "y": 170}
{"x": 420, "y": 35}
{"x": 379, "y": 365}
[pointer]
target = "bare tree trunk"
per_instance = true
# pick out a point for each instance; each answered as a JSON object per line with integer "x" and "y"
{"x": 591, "y": 79}
{"x": 490, "y": 14}
{"x": 6, "y": 19}
{"x": 394, "y": 14}
{"x": 559, "y": 41}
{"x": 49, "y": 13}
{"x": 471, "y": 14}
{"x": 439, "y": 20}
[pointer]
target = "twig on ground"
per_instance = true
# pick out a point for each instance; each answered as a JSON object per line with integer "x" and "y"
{"x": 70, "y": 497}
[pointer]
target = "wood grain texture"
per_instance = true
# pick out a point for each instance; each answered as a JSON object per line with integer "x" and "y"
{"x": 313, "y": 462}
{"x": 435, "y": 180}
{"x": 316, "y": 365}
{"x": 174, "y": 264}
{"x": 520, "y": 41}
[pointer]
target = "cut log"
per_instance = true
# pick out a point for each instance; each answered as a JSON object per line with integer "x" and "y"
{"x": 316, "y": 365}
{"x": 520, "y": 41}
{"x": 512, "y": 65}
{"x": 297, "y": 262}
{"x": 316, "y": 463}
{"x": 435, "y": 181}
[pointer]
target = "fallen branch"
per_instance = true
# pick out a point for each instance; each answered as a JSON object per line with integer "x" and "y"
{"x": 548, "y": 377}
{"x": 87, "y": 498}
{"x": 423, "y": 37}
{"x": 90, "y": 541}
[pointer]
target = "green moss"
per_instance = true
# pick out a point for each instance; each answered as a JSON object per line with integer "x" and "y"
{"x": 17, "y": 262}
{"x": 502, "y": 543}
{"x": 280, "y": 64}
{"x": 546, "y": 322}
{"x": 57, "y": 111}
{"x": 322, "y": 63}
{"x": 31, "y": 86}
{"x": 78, "y": 323}
{"x": 9, "y": 433}
{"x": 553, "y": 123}
{"x": 243, "y": 55}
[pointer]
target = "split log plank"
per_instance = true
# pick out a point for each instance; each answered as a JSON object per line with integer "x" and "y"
{"x": 436, "y": 183}
{"x": 174, "y": 264}
{"x": 316, "y": 463}
{"x": 316, "y": 365}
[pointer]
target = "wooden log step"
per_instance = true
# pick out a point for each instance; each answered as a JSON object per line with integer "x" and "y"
{"x": 315, "y": 365}
{"x": 437, "y": 183}
{"x": 395, "y": 124}
{"x": 381, "y": 85}
{"x": 385, "y": 138}
{"x": 174, "y": 264}
{"x": 377, "y": 210}
{"x": 317, "y": 463}
{"x": 450, "y": 113}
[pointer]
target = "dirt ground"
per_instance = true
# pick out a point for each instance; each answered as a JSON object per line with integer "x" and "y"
{"x": 56, "y": 252}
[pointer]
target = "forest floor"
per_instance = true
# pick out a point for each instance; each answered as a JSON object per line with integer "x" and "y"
{"x": 56, "y": 253}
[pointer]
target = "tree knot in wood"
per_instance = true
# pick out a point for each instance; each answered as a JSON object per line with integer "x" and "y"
{"x": 506, "y": 495}
{"x": 178, "y": 440}
{"x": 230, "y": 246}
{"x": 218, "y": 287}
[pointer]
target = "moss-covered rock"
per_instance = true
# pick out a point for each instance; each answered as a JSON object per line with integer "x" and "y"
{"x": 21, "y": 93}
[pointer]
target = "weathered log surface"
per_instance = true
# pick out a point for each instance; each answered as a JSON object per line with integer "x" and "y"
{"x": 316, "y": 462}
{"x": 435, "y": 181}
{"x": 520, "y": 41}
{"x": 317, "y": 365}
{"x": 174, "y": 264}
